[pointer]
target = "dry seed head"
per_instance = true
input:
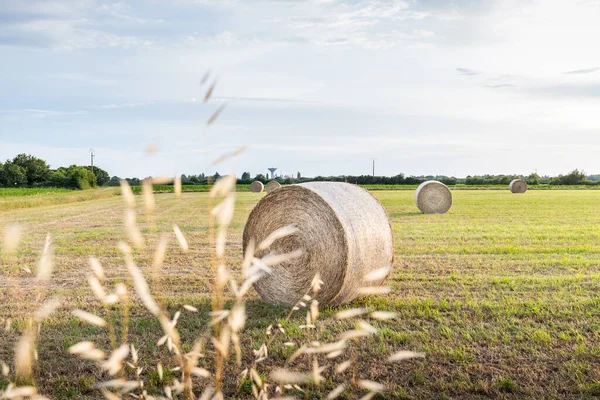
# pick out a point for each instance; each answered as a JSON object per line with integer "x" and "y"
{"x": 343, "y": 366}
{"x": 353, "y": 334}
{"x": 19, "y": 392}
{"x": 316, "y": 283}
{"x": 383, "y": 315}
{"x": 404, "y": 355}
{"x": 316, "y": 372}
{"x": 374, "y": 290}
{"x": 237, "y": 317}
{"x": 224, "y": 210}
{"x": 275, "y": 259}
{"x": 89, "y": 318}
{"x": 5, "y": 369}
{"x": 115, "y": 361}
{"x": 12, "y": 236}
{"x": 47, "y": 309}
{"x": 248, "y": 255}
{"x": 177, "y": 186}
{"x": 190, "y": 308}
{"x": 159, "y": 369}
{"x": 371, "y": 385}
{"x": 216, "y": 114}
{"x": 121, "y": 290}
{"x": 277, "y": 234}
{"x": 97, "y": 268}
{"x": 162, "y": 180}
{"x": 365, "y": 326}
{"x": 378, "y": 274}
{"x": 286, "y": 376}
{"x": 134, "y": 354}
{"x": 24, "y": 354}
{"x": 314, "y": 310}
{"x": 201, "y": 372}
{"x": 96, "y": 287}
{"x": 209, "y": 91}
{"x": 223, "y": 186}
{"x": 132, "y": 229}
{"x": 334, "y": 394}
{"x": 255, "y": 377}
{"x": 109, "y": 395}
{"x": 161, "y": 250}
{"x": 142, "y": 290}
{"x": 127, "y": 193}
{"x": 354, "y": 312}
{"x": 183, "y": 244}
{"x": 45, "y": 265}
{"x": 147, "y": 192}
{"x": 206, "y": 395}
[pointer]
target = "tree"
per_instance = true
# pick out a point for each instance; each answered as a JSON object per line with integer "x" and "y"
{"x": 102, "y": 177}
{"x": 261, "y": 178}
{"x": 246, "y": 176}
{"x": 298, "y": 176}
{"x": 36, "y": 170}
{"x": 533, "y": 179}
{"x": 114, "y": 181}
{"x": 14, "y": 175}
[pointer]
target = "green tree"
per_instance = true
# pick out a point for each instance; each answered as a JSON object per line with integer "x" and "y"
{"x": 246, "y": 176}
{"x": 14, "y": 175}
{"x": 37, "y": 170}
{"x": 533, "y": 179}
{"x": 298, "y": 176}
{"x": 102, "y": 177}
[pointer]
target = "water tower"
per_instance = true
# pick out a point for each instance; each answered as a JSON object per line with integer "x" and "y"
{"x": 272, "y": 172}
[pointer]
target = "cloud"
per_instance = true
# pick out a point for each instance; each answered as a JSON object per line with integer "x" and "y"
{"x": 467, "y": 71}
{"x": 583, "y": 71}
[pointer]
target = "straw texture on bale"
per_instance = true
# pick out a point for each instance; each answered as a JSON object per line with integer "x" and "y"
{"x": 343, "y": 231}
{"x": 518, "y": 186}
{"x": 257, "y": 187}
{"x": 433, "y": 197}
{"x": 272, "y": 185}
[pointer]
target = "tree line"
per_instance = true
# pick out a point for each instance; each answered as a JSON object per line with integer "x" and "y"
{"x": 25, "y": 170}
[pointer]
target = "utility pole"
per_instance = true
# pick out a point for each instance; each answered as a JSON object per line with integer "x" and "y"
{"x": 373, "y": 167}
{"x": 92, "y": 154}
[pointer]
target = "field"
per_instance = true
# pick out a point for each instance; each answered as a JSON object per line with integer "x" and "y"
{"x": 502, "y": 293}
{"x": 15, "y": 198}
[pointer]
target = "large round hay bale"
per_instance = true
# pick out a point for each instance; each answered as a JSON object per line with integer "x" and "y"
{"x": 273, "y": 185}
{"x": 433, "y": 197}
{"x": 518, "y": 186}
{"x": 344, "y": 233}
{"x": 257, "y": 187}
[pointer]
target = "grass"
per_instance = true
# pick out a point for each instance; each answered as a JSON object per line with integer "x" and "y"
{"x": 13, "y": 199}
{"x": 501, "y": 293}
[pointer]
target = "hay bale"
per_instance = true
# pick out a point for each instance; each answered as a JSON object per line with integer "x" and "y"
{"x": 273, "y": 185}
{"x": 433, "y": 197}
{"x": 518, "y": 186}
{"x": 343, "y": 230}
{"x": 257, "y": 187}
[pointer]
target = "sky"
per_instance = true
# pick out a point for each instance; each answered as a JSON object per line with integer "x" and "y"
{"x": 423, "y": 87}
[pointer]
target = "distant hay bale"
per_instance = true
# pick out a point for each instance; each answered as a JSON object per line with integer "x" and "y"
{"x": 433, "y": 197}
{"x": 344, "y": 233}
{"x": 272, "y": 185}
{"x": 518, "y": 186}
{"x": 257, "y": 187}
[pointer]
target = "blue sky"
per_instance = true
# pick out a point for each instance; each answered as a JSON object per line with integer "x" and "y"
{"x": 320, "y": 87}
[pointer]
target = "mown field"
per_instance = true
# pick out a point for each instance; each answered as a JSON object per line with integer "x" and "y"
{"x": 502, "y": 294}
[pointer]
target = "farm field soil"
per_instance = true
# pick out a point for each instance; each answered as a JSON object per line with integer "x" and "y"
{"x": 502, "y": 293}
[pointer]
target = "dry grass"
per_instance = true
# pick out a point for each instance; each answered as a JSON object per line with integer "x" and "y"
{"x": 500, "y": 293}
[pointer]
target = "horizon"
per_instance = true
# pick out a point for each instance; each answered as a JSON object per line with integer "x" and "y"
{"x": 459, "y": 88}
